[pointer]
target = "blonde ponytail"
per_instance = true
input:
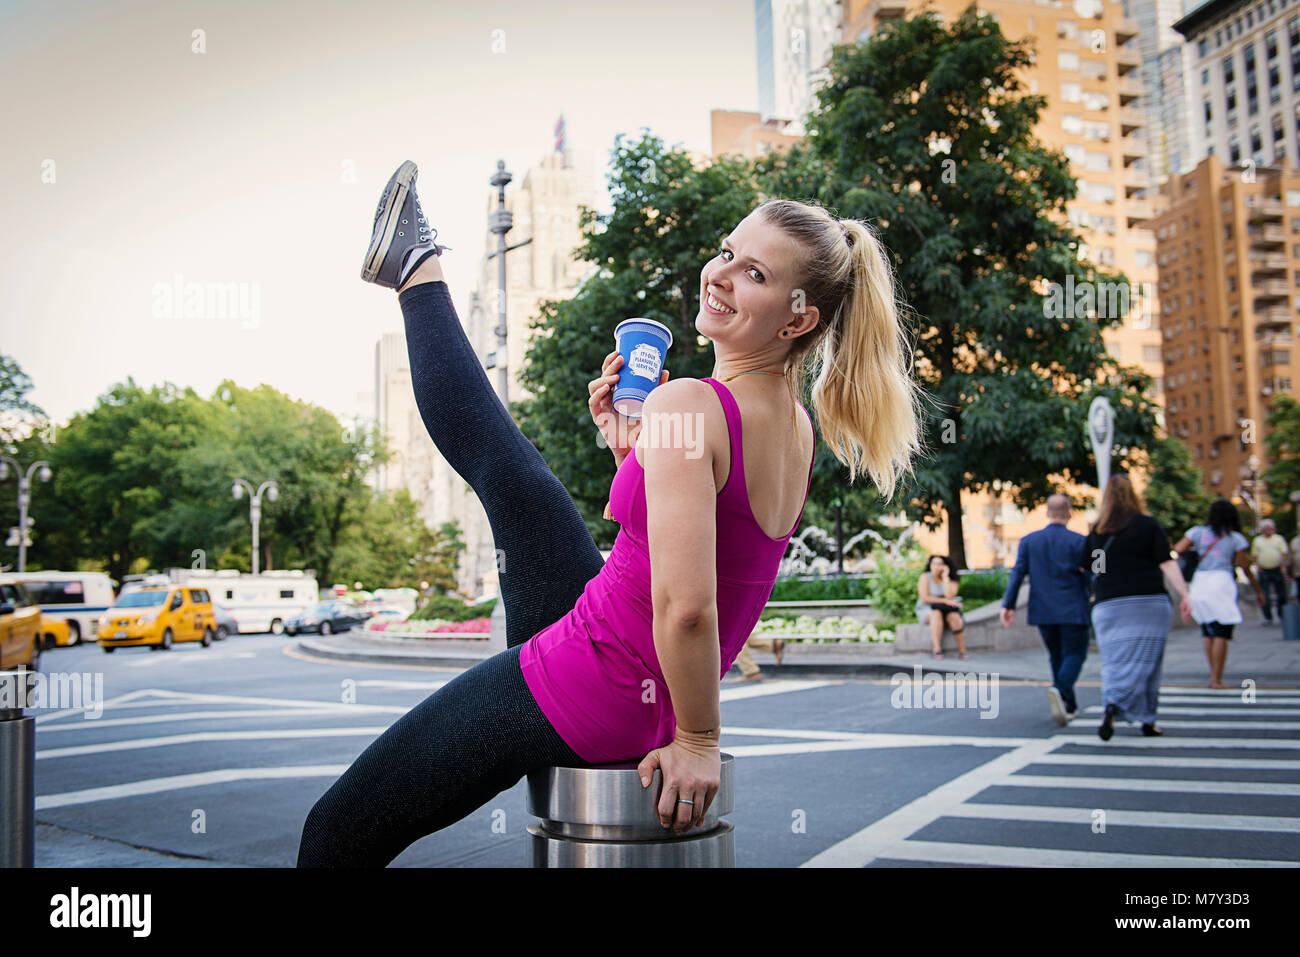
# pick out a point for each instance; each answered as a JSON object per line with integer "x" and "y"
{"x": 859, "y": 357}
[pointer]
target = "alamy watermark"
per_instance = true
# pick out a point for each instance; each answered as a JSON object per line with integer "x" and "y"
{"x": 57, "y": 690}
{"x": 933, "y": 690}
{"x": 180, "y": 299}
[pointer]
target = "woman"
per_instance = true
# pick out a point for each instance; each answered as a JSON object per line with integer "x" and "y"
{"x": 937, "y": 603}
{"x": 1221, "y": 546}
{"x": 622, "y": 660}
{"x": 1128, "y": 552}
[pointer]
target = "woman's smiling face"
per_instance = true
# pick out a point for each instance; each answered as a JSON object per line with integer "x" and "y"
{"x": 751, "y": 281}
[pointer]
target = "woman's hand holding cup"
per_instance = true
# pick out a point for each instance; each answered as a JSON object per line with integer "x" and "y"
{"x": 619, "y": 431}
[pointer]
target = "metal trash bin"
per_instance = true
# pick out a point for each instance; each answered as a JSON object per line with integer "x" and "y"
{"x": 600, "y": 816}
{"x": 17, "y": 762}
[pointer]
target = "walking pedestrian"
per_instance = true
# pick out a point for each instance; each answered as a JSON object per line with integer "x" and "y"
{"x": 1272, "y": 556}
{"x": 1127, "y": 555}
{"x": 1222, "y": 549}
{"x": 749, "y": 669}
{"x": 604, "y": 660}
{"x": 1058, "y": 601}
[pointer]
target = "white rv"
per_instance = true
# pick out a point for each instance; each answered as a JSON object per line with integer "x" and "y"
{"x": 78, "y": 598}
{"x": 258, "y": 603}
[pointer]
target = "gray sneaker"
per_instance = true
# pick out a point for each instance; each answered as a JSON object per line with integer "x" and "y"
{"x": 1057, "y": 705}
{"x": 401, "y": 238}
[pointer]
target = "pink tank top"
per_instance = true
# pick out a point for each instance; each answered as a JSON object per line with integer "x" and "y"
{"x": 595, "y": 673}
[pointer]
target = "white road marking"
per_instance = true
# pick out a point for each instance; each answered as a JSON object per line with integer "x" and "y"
{"x": 1084, "y": 816}
{"x": 866, "y": 845}
{"x": 1244, "y": 709}
{"x": 181, "y": 781}
{"x": 418, "y": 685}
{"x": 200, "y": 737}
{"x": 210, "y": 715}
{"x": 1152, "y": 784}
{"x": 1045, "y": 857}
{"x": 165, "y": 658}
{"x": 1142, "y": 761}
{"x": 771, "y": 687}
{"x": 1165, "y": 725}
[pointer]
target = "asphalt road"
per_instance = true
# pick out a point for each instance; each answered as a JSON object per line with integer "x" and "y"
{"x": 215, "y": 756}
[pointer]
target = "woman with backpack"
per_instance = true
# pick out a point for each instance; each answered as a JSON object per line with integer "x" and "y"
{"x": 1217, "y": 547}
{"x": 1128, "y": 553}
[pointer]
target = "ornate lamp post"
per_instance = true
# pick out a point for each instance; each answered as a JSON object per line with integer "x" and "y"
{"x": 255, "y": 507}
{"x": 22, "y": 535}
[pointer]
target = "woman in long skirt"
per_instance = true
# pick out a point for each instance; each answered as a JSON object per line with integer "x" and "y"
{"x": 1128, "y": 553}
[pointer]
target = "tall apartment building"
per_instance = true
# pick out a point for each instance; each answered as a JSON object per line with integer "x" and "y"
{"x": 794, "y": 39}
{"x": 1244, "y": 80}
{"x": 1087, "y": 65}
{"x": 1228, "y": 248}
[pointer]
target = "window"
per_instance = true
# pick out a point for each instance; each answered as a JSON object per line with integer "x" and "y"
{"x": 1151, "y": 353}
{"x": 1270, "y": 44}
{"x": 1071, "y": 92}
{"x": 1096, "y": 131}
{"x": 1066, "y": 30}
{"x": 177, "y": 600}
{"x": 1205, "y": 78}
{"x": 1099, "y": 192}
{"x": 1067, "y": 60}
{"x": 1072, "y": 123}
{"x": 1203, "y": 47}
{"x": 1209, "y": 112}
{"x": 1095, "y": 100}
{"x": 1097, "y": 162}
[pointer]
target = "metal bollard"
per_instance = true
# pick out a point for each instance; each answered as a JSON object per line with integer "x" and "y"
{"x": 17, "y": 760}
{"x": 600, "y": 816}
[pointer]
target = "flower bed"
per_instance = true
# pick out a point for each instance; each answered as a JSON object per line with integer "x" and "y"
{"x": 476, "y": 629}
{"x": 841, "y": 629}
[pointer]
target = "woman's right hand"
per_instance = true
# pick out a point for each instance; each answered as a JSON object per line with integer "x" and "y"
{"x": 619, "y": 431}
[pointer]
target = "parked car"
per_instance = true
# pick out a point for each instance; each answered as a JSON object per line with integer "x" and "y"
{"x": 158, "y": 617}
{"x": 20, "y": 628}
{"x": 326, "y": 617}
{"x": 226, "y": 623}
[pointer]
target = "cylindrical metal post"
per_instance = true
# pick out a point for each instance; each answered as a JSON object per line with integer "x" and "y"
{"x": 17, "y": 762}
{"x": 601, "y": 816}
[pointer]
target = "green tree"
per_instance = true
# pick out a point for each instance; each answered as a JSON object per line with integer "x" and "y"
{"x": 19, "y": 416}
{"x": 1175, "y": 493}
{"x": 1282, "y": 476}
{"x": 924, "y": 131}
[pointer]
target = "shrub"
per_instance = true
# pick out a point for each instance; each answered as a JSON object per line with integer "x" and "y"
{"x": 452, "y": 609}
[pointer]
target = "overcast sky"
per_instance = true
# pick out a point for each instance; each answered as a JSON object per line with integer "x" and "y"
{"x": 232, "y": 165}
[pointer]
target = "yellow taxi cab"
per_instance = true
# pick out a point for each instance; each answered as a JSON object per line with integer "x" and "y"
{"x": 158, "y": 617}
{"x": 56, "y": 631}
{"x": 20, "y": 628}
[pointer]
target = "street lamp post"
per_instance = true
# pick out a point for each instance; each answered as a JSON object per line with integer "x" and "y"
{"x": 22, "y": 534}
{"x": 255, "y": 507}
{"x": 501, "y": 222}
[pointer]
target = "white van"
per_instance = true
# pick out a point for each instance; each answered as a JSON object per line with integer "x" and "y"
{"x": 78, "y": 598}
{"x": 258, "y": 603}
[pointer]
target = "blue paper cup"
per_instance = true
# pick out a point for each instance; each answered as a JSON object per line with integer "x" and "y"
{"x": 644, "y": 345}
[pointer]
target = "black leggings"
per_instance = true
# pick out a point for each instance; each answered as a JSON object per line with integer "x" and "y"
{"x": 479, "y": 734}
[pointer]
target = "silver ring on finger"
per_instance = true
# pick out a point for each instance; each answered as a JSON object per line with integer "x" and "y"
{"x": 684, "y": 801}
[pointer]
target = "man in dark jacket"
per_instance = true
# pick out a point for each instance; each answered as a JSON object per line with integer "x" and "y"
{"x": 1058, "y": 601}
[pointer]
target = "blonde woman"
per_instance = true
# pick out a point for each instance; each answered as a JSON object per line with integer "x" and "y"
{"x": 622, "y": 660}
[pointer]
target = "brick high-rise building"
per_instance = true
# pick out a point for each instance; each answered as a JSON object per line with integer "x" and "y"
{"x": 1228, "y": 249}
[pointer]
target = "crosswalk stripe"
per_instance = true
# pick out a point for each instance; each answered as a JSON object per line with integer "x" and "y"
{"x": 1232, "y": 692}
{"x": 1152, "y": 784}
{"x": 935, "y": 852}
{"x": 1245, "y": 709}
{"x": 1143, "y": 761}
{"x": 1246, "y": 725}
{"x": 1120, "y": 818}
{"x": 1133, "y": 741}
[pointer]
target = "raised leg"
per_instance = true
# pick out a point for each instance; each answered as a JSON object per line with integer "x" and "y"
{"x": 546, "y": 553}
{"x": 473, "y": 738}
